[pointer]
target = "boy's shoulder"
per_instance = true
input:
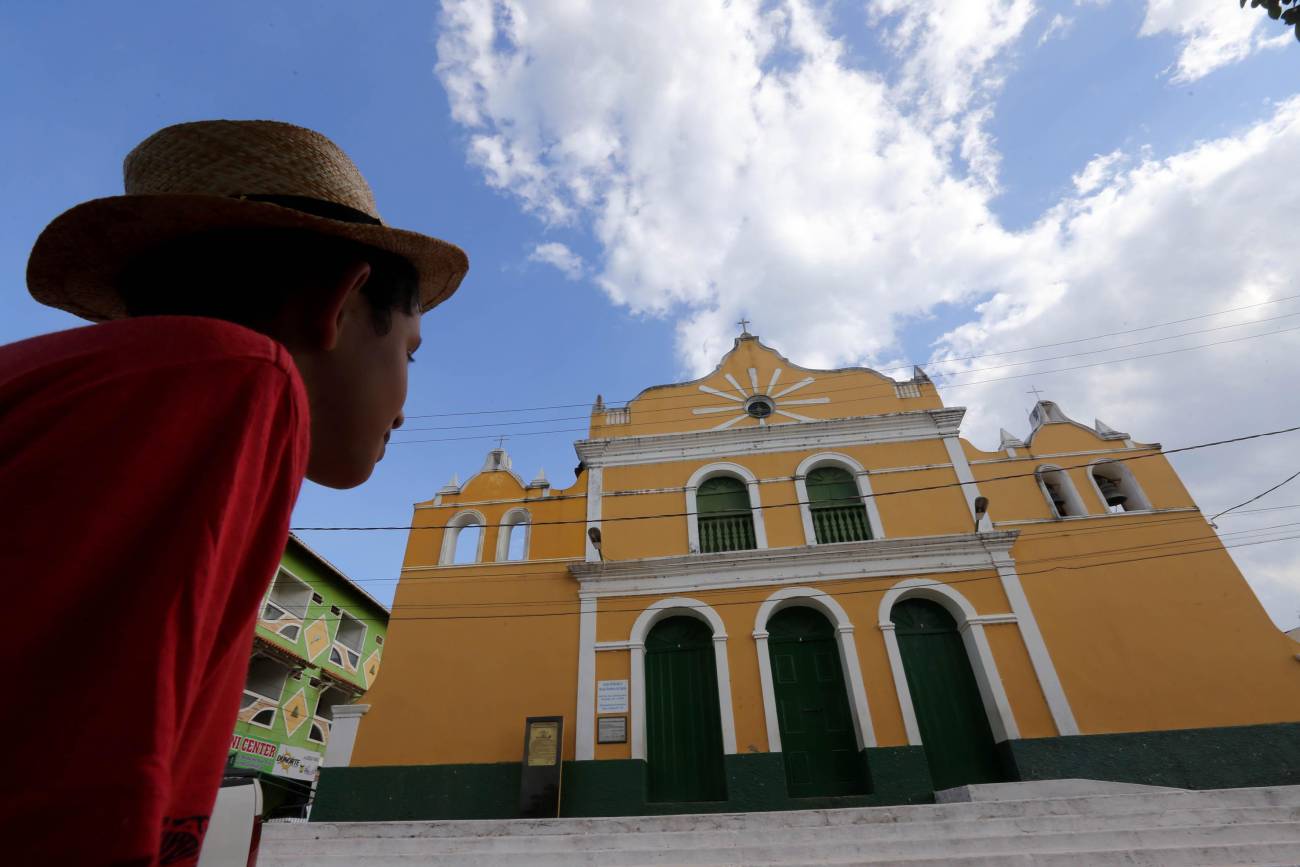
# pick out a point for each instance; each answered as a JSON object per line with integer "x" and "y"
{"x": 127, "y": 347}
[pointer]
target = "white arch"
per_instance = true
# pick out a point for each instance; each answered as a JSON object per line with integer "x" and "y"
{"x": 811, "y": 597}
{"x": 1074, "y": 505}
{"x": 864, "y": 491}
{"x": 971, "y": 626}
{"x": 510, "y": 522}
{"x": 1127, "y": 481}
{"x": 645, "y": 621}
{"x": 458, "y": 522}
{"x": 722, "y": 468}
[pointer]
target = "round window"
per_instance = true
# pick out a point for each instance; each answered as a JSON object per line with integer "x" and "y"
{"x": 759, "y": 406}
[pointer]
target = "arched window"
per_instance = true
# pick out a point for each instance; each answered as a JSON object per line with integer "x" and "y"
{"x": 1117, "y": 488}
{"x": 462, "y": 540}
{"x": 1059, "y": 490}
{"x": 513, "y": 535}
{"x": 726, "y": 522}
{"x": 837, "y": 511}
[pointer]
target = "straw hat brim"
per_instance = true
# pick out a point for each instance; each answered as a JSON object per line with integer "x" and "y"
{"x": 78, "y": 258}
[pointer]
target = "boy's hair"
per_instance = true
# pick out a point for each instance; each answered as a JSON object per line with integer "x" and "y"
{"x": 247, "y": 275}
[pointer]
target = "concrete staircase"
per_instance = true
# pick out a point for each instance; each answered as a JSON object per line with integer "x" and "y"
{"x": 1005, "y": 825}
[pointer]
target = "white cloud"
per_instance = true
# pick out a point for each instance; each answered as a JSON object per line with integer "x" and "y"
{"x": 1058, "y": 28}
{"x": 1213, "y": 33}
{"x": 559, "y": 256}
{"x": 729, "y": 159}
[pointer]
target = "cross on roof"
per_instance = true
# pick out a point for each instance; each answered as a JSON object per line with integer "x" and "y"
{"x": 501, "y": 442}
{"x": 1038, "y": 395}
{"x": 744, "y": 325}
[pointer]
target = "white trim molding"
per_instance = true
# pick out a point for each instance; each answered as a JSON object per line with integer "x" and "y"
{"x": 584, "y": 729}
{"x": 785, "y": 437}
{"x": 810, "y": 597}
{"x": 595, "y": 483}
{"x": 1039, "y": 657}
{"x": 971, "y": 626}
{"x": 661, "y": 610}
{"x": 459, "y": 521}
{"x": 724, "y": 468}
{"x": 877, "y": 558}
{"x": 511, "y": 522}
{"x": 969, "y": 487}
{"x": 834, "y": 459}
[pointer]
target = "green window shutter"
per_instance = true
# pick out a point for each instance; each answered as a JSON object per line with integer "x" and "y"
{"x": 725, "y": 521}
{"x": 837, "y": 511}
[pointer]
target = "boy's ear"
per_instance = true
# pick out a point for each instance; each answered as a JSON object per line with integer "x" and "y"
{"x": 342, "y": 299}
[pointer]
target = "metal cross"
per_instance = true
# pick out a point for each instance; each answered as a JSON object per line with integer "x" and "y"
{"x": 501, "y": 442}
{"x": 744, "y": 326}
{"x": 1038, "y": 395}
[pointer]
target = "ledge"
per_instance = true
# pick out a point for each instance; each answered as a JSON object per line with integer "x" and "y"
{"x": 774, "y": 566}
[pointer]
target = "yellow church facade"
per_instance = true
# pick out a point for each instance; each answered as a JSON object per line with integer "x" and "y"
{"x": 778, "y": 588}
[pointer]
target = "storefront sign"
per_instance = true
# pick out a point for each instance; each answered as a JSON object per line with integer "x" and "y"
{"x": 296, "y": 763}
{"x": 611, "y": 696}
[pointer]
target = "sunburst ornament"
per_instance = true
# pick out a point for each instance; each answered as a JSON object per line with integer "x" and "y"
{"x": 756, "y": 402}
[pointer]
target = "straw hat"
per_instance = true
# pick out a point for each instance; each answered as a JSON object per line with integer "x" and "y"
{"x": 220, "y": 174}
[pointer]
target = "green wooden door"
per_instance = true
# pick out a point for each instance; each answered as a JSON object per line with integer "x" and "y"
{"x": 812, "y": 705}
{"x": 949, "y": 711}
{"x": 683, "y": 724}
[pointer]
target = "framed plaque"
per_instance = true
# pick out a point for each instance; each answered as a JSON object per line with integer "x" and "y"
{"x": 539, "y": 776}
{"x": 611, "y": 730}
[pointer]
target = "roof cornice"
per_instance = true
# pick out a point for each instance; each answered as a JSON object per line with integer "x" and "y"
{"x": 793, "y": 436}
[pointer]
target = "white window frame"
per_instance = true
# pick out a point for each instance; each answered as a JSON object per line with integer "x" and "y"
{"x": 365, "y": 630}
{"x": 855, "y": 469}
{"x": 275, "y": 700}
{"x": 450, "y": 535}
{"x": 1061, "y": 477}
{"x": 511, "y": 521}
{"x": 723, "y": 468}
{"x": 284, "y": 612}
{"x": 1127, "y": 482}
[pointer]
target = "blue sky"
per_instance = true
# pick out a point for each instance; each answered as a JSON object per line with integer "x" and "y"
{"x": 579, "y": 147}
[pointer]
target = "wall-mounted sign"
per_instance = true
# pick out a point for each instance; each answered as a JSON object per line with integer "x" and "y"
{"x": 611, "y": 730}
{"x": 296, "y": 763}
{"x": 611, "y": 696}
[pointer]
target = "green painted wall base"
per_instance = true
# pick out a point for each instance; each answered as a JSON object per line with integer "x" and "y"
{"x": 1192, "y": 759}
{"x": 1217, "y": 758}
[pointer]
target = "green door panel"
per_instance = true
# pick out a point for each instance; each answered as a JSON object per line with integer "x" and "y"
{"x": 818, "y": 743}
{"x": 949, "y": 711}
{"x": 683, "y": 723}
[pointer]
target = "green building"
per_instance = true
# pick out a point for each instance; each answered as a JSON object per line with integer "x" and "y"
{"x": 316, "y": 650}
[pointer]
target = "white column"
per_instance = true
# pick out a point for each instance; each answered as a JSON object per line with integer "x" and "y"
{"x": 637, "y": 688}
{"x": 724, "y": 694}
{"x": 343, "y": 734}
{"x": 770, "y": 719}
{"x": 900, "y": 684}
{"x": 584, "y": 728}
{"x": 1044, "y": 668}
{"x": 595, "y": 483}
{"x": 862, "y": 726}
{"x": 967, "y": 479}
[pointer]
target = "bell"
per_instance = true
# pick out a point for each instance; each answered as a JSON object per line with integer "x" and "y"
{"x": 1110, "y": 491}
{"x": 1058, "y": 501}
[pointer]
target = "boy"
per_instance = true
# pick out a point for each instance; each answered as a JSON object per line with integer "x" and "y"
{"x": 257, "y": 320}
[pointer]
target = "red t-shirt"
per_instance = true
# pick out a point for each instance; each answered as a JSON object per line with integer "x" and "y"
{"x": 148, "y": 468}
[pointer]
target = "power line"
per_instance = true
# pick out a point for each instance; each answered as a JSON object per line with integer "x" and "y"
{"x": 722, "y": 603}
{"x": 1256, "y": 497}
{"x": 884, "y": 389}
{"x": 948, "y": 385}
{"x": 616, "y": 519}
{"x": 908, "y": 365}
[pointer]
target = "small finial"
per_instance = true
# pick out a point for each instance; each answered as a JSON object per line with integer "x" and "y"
{"x": 600, "y": 404}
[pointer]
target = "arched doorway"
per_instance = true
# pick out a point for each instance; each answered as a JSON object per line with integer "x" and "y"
{"x": 683, "y": 724}
{"x": 945, "y": 697}
{"x": 817, "y": 738}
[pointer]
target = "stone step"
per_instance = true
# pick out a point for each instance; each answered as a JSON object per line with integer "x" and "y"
{"x": 1284, "y": 837}
{"x": 1098, "y": 805}
{"x": 758, "y": 835}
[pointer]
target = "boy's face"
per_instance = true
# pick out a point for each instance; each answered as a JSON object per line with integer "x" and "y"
{"x": 357, "y": 389}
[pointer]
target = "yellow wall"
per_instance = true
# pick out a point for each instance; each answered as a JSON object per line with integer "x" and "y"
{"x": 1140, "y": 639}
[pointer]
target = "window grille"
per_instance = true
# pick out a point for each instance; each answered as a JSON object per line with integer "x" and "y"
{"x": 725, "y": 520}
{"x": 837, "y": 511}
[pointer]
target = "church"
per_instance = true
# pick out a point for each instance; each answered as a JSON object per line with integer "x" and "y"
{"x": 783, "y": 588}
